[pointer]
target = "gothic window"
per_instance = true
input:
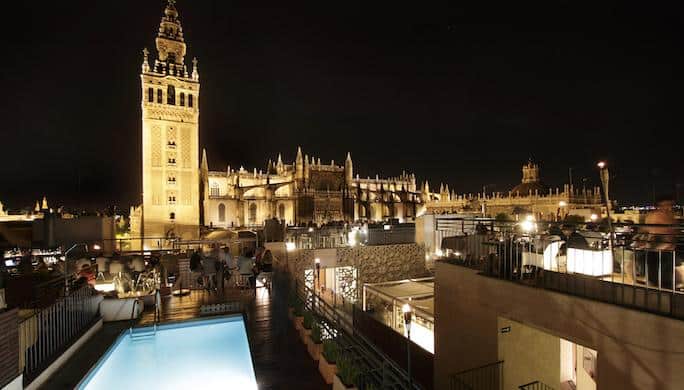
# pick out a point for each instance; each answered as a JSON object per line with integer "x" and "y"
{"x": 190, "y": 102}
{"x": 182, "y": 99}
{"x": 159, "y": 96}
{"x": 171, "y": 179}
{"x": 281, "y": 212}
{"x": 172, "y": 216}
{"x": 150, "y": 95}
{"x": 172, "y": 199}
{"x": 171, "y": 95}
{"x": 172, "y": 160}
{"x": 252, "y": 214}
{"x": 215, "y": 190}
{"x": 222, "y": 212}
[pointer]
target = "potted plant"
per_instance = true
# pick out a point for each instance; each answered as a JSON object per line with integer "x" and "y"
{"x": 315, "y": 345}
{"x": 291, "y": 304}
{"x": 327, "y": 362}
{"x": 347, "y": 374}
{"x": 298, "y": 315}
{"x": 307, "y": 324}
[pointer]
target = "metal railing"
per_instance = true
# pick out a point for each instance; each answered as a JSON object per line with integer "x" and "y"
{"x": 375, "y": 368}
{"x": 487, "y": 377}
{"x": 48, "y": 332}
{"x": 637, "y": 267}
{"x": 536, "y": 385}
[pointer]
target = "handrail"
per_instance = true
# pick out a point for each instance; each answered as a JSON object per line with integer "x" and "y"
{"x": 379, "y": 363}
{"x": 135, "y": 302}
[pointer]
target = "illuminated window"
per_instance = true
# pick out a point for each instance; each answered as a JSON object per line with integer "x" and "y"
{"x": 222, "y": 212}
{"x": 159, "y": 96}
{"x": 150, "y": 95}
{"x": 171, "y": 95}
{"x": 214, "y": 190}
{"x": 190, "y": 102}
{"x": 182, "y": 99}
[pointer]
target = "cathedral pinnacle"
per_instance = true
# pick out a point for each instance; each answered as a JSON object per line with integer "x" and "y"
{"x": 146, "y": 64}
{"x": 195, "y": 69}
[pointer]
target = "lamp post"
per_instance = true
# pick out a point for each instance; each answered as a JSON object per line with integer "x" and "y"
{"x": 605, "y": 178}
{"x": 408, "y": 314}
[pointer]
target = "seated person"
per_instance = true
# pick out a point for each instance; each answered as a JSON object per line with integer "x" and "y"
{"x": 267, "y": 261}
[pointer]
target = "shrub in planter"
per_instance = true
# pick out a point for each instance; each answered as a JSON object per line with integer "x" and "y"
{"x": 326, "y": 364}
{"x": 292, "y": 300}
{"x": 314, "y": 346}
{"x": 307, "y": 323}
{"x": 347, "y": 374}
{"x": 298, "y": 315}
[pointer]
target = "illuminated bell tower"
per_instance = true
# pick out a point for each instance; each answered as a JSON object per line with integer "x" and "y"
{"x": 170, "y": 136}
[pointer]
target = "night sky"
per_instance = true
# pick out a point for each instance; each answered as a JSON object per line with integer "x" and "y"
{"x": 454, "y": 94}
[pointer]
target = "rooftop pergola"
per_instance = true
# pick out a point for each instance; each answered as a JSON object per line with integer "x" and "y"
{"x": 419, "y": 293}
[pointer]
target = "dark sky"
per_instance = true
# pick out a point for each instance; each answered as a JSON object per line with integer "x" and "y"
{"x": 454, "y": 94}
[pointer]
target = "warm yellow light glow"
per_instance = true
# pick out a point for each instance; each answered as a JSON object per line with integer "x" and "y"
{"x": 594, "y": 217}
{"x": 96, "y": 247}
{"x": 406, "y": 308}
{"x": 562, "y": 203}
{"x": 439, "y": 252}
{"x": 317, "y": 260}
{"x": 527, "y": 225}
{"x": 104, "y": 287}
{"x": 601, "y": 164}
{"x": 387, "y": 227}
{"x": 290, "y": 246}
{"x": 311, "y": 230}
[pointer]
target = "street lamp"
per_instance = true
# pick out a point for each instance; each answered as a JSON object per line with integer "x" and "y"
{"x": 605, "y": 178}
{"x": 317, "y": 263}
{"x": 408, "y": 314}
{"x": 66, "y": 264}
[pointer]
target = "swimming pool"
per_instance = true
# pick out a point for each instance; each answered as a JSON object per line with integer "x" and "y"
{"x": 207, "y": 354}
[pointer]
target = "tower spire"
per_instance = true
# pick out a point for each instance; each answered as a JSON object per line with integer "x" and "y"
{"x": 170, "y": 41}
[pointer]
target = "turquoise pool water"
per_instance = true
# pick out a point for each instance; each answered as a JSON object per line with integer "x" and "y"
{"x": 206, "y": 354}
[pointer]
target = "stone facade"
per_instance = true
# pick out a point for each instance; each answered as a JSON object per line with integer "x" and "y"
{"x": 304, "y": 191}
{"x": 170, "y": 138}
{"x": 531, "y": 196}
{"x": 373, "y": 264}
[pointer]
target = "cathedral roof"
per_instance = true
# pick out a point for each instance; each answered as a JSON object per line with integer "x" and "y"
{"x": 525, "y": 188}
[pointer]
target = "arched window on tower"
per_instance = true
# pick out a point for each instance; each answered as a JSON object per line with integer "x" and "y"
{"x": 281, "y": 212}
{"x": 190, "y": 102}
{"x": 159, "y": 96}
{"x": 182, "y": 99}
{"x": 222, "y": 212}
{"x": 150, "y": 95}
{"x": 171, "y": 95}
{"x": 253, "y": 214}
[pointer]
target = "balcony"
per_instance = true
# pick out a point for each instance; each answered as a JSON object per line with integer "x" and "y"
{"x": 581, "y": 263}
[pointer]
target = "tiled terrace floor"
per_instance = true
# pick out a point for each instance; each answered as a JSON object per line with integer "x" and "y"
{"x": 280, "y": 359}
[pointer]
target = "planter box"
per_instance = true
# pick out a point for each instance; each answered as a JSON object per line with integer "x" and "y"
{"x": 338, "y": 385}
{"x": 315, "y": 350}
{"x": 305, "y": 334}
{"x": 328, "y": 370}
{"x": 298, "y": 323}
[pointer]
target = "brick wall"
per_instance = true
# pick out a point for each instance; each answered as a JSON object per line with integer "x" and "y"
{"x": 9, "y": 346}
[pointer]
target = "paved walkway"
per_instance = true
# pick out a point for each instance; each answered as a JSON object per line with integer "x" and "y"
{"x": 280, "y": 359}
